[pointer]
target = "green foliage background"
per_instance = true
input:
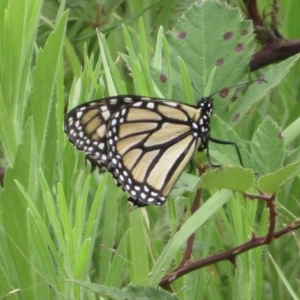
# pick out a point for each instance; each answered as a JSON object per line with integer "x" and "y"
{"x": 69, "y": 234}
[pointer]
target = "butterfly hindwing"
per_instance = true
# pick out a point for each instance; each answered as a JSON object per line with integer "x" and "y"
{"x": 149, "y": 145}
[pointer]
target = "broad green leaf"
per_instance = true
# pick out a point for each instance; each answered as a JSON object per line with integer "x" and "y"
{"x": 197, "y": 31}
{"x": 185, "y": 183}
{"x": 232, "y": 178}
{"x": 198, "y": 39}
{"x": 273, "y": 75}
{"x": 267, "y": 148}
{"x": 270, "y": 183}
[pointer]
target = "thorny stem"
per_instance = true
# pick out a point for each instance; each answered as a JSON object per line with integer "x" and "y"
{"x": 186, "y": 267}
{"x": 270, "y": 203}
{"x": 227, "y": 255}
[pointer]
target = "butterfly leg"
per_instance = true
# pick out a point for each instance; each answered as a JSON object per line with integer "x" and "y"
{"x": 222, "y": 142}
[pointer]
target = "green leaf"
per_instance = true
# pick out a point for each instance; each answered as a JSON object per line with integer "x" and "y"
{"x": 18, "y": 26}
{"x": 42, "y": 101}
{"x": 108, "y": 221}
{"x": 197, "y": 31}
{"x": 130, "y": 292}
{"x": 148, "y": 293}
{"x": 273, "y": 75}
{"x": 292, "y": 132}
{"x": 271, "y": 183}
{"x": 232, "y": 178}
{"x": 198, "y": 39}
{"x": 118, "y": 261}
{"x": 139, "y": 265}
{"x": 267, "y": 147}
{"x": 284, "y": 279}
{"x": 186, "y": 183}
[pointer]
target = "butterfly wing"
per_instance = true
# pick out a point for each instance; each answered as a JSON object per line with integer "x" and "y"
{"x": 86, "y": 126}
{"x": 149, "y": 145}
{"x": 144, "y": 142}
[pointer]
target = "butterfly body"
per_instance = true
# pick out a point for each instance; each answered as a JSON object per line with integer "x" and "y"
{"x": 145, "y": 143}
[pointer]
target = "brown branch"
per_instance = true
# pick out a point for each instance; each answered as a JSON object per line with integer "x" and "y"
{"x": 253, "y": 12}
{"x": 271, "y": 206}
{"x": 275, "y": 47}
{"x": 230, "y": 255}
{"x": 274, "y": 53}
{"x": 227, "y": 255}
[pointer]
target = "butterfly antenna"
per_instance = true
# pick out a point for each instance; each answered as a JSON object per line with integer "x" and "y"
{"x": 259, "y": 80}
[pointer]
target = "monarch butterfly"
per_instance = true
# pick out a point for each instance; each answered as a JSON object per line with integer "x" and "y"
{"x": 145, "y": 143}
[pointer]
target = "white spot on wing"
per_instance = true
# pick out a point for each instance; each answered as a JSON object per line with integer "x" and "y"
{"x": 173, "y": 104}
{"x": 113, "y": 101}
{"x": 150, "y": 105}
{"x": 106, "y": 115}
{"x": 128, "y": 100}
{"x": 79, "y": 114}
{"x": 101, "y": 146}
{"x": 137, "y": 104}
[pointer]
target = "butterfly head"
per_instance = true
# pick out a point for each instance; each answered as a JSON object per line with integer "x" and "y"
{"x": 205, "y": 105}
